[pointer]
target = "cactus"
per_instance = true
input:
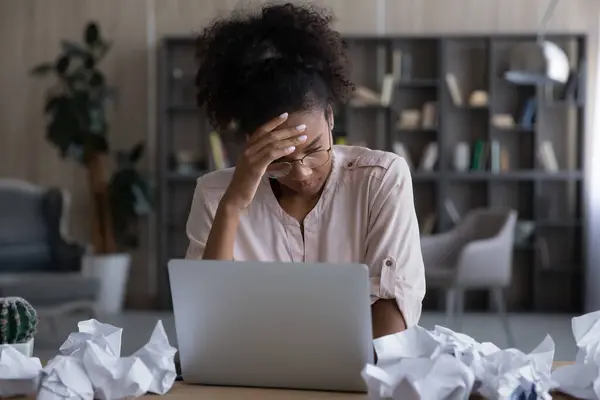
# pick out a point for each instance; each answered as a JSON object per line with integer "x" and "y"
{"x": 18, "y": 320}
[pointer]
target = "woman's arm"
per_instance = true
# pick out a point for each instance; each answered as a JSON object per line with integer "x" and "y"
{"x": 212, "y": 224}
{"x": 394, "y": 253}
{"x": 221, "y": 240}
{"x": 386, "y": 318}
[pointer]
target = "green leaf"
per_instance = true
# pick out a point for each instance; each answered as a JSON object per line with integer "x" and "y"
{"x": 106, "y": 94}
{"x": 92, "y": 34}
{"x": 96, "y": 144}
{"x": 136, "y": 153}
{"x": 77, "y": 80}
{"x": 97, "y": 123}
{"x": 62, "y": 65}
{"x": 97, "y": 79}
{"x": 53, "y": 102}
{"x": 89, "y": 62}
{"x": 64, "y": 129}
{"x": 74, "y": 49}
{"x": 142, "y": 203}
{"x": 75, "y": 152}
{"x": 42, "y": 69}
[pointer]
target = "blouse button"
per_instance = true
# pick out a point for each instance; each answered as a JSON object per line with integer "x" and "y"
{"x": 388, "y": 263}
{"x": 350, "y": 164}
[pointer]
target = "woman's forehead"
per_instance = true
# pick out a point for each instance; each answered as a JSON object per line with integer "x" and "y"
{"x": 315, "y": 122}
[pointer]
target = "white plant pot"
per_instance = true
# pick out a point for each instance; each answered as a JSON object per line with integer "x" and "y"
{"x": 24, "y": 348}
{"x": 112, "y": 271}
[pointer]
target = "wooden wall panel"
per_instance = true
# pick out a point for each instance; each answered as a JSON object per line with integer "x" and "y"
{"x": 357, "y": 17}
{"x": 486, "y": 16}
{"x": 175, "y": 17}
{"x": 185, "y": 17}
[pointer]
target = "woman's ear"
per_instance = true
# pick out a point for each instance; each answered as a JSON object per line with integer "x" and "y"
{"x": 329, "y": 116}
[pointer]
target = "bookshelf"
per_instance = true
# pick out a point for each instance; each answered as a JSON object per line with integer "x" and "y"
{"x": 507, "y": 125}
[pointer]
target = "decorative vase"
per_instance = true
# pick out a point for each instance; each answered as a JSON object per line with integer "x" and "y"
{"x": 25, "y": 348}
{"x": 112, "y": 271}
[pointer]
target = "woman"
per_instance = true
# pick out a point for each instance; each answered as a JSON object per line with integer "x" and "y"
{"x": 293, "y": 196}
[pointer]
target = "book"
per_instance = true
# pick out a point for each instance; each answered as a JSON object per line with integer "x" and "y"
{"x": 478, "y": 150}
{"x": 495, "y": 156}
{"x": 504, "y": 160}
{"x": 397, "y": 65}
{"x": 430, "y": 157}
{"x": 429, "y": 115}
{"x": 454, "y": 90}
{"x": 364, "y": 96}
{"x": 409, "y": 119}
{"x": 452, "y": 211}
{"x": 547, "y": 157}
{"x": 387, "y": 90}
{"x": 341, "y": 140}
{"x": 528, "y": 114}
{"x": 541, "y": 245}
{"x": 218, "y": 152}
{"x": 484, "y": 157}
{"x": 462, "y": 155}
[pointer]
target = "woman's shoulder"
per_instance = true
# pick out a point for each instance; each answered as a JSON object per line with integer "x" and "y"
{"x": 379, "y": 162}
{"x": 216, "y": 181}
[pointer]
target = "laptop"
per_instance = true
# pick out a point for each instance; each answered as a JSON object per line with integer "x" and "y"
{"x": 272, "y": 324}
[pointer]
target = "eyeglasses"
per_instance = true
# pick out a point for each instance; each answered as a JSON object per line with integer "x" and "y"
{"x": 312, "y": 160}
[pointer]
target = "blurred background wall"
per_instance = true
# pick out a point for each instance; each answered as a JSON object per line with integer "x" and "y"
{"x": 31, "y": 30}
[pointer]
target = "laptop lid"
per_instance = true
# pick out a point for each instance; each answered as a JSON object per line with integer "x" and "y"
{"x": 287, "y": 325}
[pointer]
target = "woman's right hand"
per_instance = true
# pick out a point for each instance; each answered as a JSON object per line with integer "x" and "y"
{"x": 262, "y": 148}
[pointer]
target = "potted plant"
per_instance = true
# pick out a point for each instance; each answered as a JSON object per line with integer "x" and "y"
{"x": 76, "y": 110}
{"x": 18, "y": 324}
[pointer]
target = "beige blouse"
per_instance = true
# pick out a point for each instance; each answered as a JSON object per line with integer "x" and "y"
{"x": 365, "y": 215}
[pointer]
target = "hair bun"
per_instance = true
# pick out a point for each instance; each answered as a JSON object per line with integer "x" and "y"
{"x": 267, "y": 55}
{"x": 280, "y": 49}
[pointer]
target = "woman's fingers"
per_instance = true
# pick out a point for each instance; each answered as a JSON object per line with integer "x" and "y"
{"x": 274, "y": 150}
{"x": 280, "y": 138}
{"x": 267, "y": 144}
{"x": 268, "y": 127}
{"x": 282, "y": 134}
{"x": 270, "y": 154}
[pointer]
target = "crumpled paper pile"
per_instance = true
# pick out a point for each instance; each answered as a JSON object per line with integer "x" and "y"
{"x": 19, "y": 374}
{"x": 418, "y": 364}
{"x": 582, "y": 379}
{"x": 90, "y": 366}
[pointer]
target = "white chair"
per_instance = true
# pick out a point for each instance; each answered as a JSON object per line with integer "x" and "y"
{"x": 476, "y": 254}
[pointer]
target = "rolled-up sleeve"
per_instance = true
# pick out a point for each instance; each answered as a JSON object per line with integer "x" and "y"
{"x": 393, "y": 243}
{"x": 199, "y": 223}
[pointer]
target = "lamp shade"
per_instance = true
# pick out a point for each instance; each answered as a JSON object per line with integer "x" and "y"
{"x": 533, "y": 63}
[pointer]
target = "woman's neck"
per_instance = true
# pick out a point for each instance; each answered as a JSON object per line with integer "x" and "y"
{"x": 281, "y": 191}
{"x": 292, "y": 203}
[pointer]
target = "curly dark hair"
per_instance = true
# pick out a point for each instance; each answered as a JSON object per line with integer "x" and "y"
{"x": 255, "y": 66}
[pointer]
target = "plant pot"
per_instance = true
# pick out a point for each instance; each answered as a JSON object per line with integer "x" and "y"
{"x": 112, "y": 271}
{"x": 25, "y": 348}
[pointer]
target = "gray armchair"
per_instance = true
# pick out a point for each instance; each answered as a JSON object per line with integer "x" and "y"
{"x": 37, "y": 260}
{"x": 476, "y": 254}
{"x": 33, "y": 228}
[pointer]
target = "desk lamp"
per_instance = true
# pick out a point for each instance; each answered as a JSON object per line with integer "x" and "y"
{"x": 540, "y": 62}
